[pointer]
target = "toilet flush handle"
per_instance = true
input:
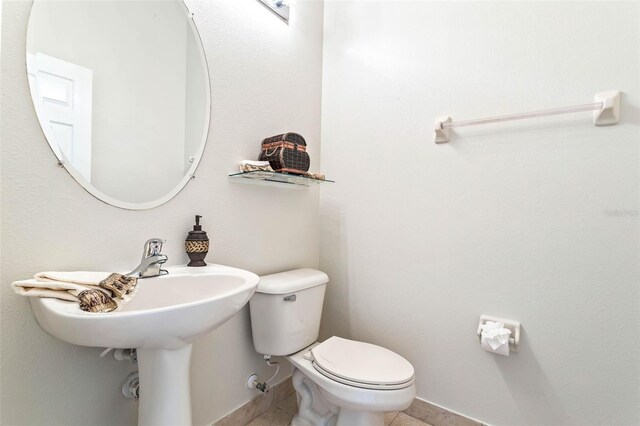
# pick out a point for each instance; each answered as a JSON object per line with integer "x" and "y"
{"x": 290, "y": 298}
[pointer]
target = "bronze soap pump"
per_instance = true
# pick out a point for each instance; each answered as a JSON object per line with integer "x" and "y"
{"x": 197, "y": 245}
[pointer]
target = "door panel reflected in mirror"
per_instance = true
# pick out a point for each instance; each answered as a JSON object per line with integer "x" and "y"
{"x": 121, "y": 91}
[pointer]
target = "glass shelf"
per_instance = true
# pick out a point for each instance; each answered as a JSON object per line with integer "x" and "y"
{"x": 275, "y": 179}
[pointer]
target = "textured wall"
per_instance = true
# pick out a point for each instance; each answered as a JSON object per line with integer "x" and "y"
{"x": 535, "y": 220}
{"x": 265, "y": 78}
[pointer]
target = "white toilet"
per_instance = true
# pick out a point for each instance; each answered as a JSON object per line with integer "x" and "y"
{"x": 338, "y": 382}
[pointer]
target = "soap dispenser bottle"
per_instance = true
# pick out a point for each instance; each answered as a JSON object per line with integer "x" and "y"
{"x": 197, "y": 244}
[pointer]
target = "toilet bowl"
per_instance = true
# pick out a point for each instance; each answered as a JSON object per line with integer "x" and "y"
{"x": 352, "y": 394}
{"x": 339, "y": 381}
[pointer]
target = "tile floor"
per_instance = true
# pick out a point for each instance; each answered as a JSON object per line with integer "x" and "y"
{"x": 284, "y": 410}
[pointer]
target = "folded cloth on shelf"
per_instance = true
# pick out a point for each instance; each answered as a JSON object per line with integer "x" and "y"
{"x": 252, "y": 166}
{"x": 317, "y": 176}
{"x": 94, "y": 291}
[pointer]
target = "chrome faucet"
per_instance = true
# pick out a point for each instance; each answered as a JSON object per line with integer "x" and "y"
{"x": 152, "y": 260}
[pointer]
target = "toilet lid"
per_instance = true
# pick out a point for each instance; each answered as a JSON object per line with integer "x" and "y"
{"x": 359, "y": 363}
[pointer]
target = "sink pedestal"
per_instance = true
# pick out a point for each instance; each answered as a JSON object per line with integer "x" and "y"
{"x": 165, "y": 398}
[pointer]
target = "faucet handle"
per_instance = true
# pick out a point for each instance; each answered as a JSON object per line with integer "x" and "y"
{"x": 153, "y": 247}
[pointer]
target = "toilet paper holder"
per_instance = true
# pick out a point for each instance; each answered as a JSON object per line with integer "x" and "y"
{"x": 514, "y": 326}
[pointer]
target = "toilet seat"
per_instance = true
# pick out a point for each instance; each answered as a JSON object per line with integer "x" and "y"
{"x": 361, "y": 365}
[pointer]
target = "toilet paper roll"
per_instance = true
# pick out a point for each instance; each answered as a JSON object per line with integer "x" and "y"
{"x": 500, "y": 350}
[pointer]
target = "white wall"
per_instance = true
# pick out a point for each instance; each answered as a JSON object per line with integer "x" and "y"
{"x": 50, "y": 222}
{"x": 516, "y": 220}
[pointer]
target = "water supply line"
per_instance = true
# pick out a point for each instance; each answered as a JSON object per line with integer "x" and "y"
{"x": 272, "y": 364}
{"x": 131, "y": 385}
{"x": 254, "y": 383}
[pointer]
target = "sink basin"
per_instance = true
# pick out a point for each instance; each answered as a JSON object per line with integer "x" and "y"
{"x": 167, "y": 314}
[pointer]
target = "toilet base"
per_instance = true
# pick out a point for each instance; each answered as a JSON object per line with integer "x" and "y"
{"x": 314, "y": 410}
{"x": 359, "y": 418}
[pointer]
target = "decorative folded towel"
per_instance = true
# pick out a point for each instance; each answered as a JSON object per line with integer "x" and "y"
{"x": 95, "y": 291}
{"x": 252, "y": 166}
{"x": 317, "y": 176}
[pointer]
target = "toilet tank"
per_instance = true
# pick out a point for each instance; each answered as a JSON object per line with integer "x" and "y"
{"x": 286, "y": 310}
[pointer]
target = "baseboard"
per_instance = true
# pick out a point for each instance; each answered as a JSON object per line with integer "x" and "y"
{"x": 438, "y": 416}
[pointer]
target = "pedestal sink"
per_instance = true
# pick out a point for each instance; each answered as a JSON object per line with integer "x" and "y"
{"x": 165, "y": 317}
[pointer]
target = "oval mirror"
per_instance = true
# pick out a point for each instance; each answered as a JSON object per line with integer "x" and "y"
{"x": 121, "y": 90}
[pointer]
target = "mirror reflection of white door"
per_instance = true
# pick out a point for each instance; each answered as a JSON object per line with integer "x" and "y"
{"x": 63, "y": 98}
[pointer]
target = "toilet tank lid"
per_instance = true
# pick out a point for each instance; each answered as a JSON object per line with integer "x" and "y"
{"x": 290, "y": 281}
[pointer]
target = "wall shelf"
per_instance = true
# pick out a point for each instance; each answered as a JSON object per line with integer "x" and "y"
{"x": 281, "y": 180}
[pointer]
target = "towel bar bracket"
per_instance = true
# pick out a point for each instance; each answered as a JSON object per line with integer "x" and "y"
{"x": 610, "y": 111}
{"x": 442, "y": 133}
